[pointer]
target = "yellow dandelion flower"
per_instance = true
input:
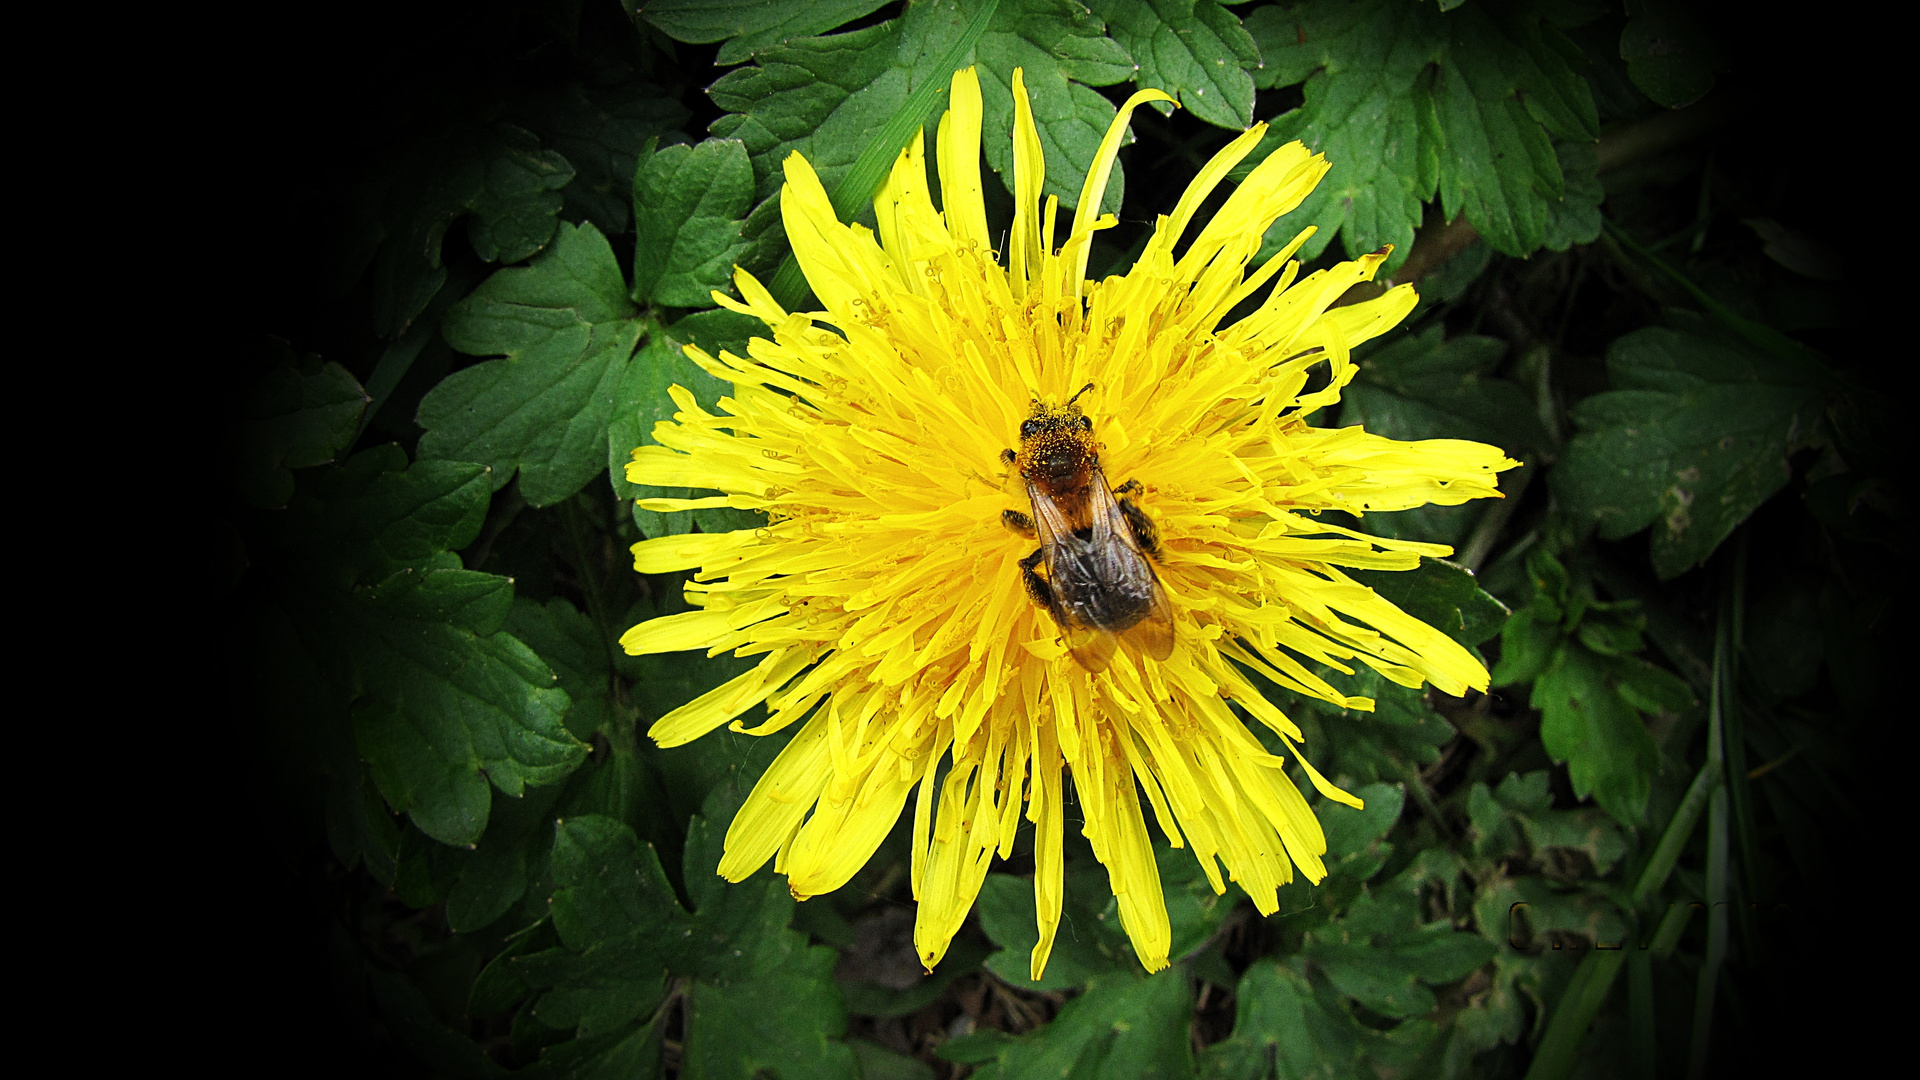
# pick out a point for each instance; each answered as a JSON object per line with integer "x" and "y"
{"x": 904, "y": 620}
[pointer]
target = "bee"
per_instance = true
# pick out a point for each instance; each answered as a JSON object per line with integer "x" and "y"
{"x": 1094, "y": 541}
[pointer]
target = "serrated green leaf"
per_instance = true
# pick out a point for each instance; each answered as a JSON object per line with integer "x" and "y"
{"x": 601, "y": 131}
{"x": 377, "y": 515}
{"x": 576, "y": 651}
{"x": 1494, "y": 833}
{"x": 750, "y": 25}
{"x": 1195, "y": 50}
{"x": 1407, "y": 101}
{"x": 445, "y": 710}
{"x": 787, "y": 1021}
{"x": 1512, "y": 910}
{"x": 1502, "y": 91}
{"x": 1119, "y": 1028}
{"x": 294, "y": 418}
{"x": 1362, "y": 64}
{"x": 631, "y": 1053}
{"x": 1694, "y": 436}
{"x": 566, "y": 329}
{"x": 500, "y": 176}
{"x": 823, "y": 96}
{"x": 499, "y": 987}
{"x": 466, "y": 598}
{"x": 441, "y": 701}
{"x": 1280, "y": 1027}
{"x": 623, "y": 931}
{"x": 1521, "y": 809}
{"x": 688, "y": 202}
{"x": 1442, "y": 595}
{"x": 617, "y": 921}
{"x": 497, "y": 874}
{"x": 1584, "y": 722}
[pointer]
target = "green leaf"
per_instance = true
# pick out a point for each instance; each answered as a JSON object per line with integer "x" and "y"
{"x": 1442, "y": 595}
{"x": 822, "y": 97}
{"x": 442, "y": 702}
{"x": 1574, "y": 218}
{"x": 1352, "y": 833}
{"x": 376, "y": 514}
{"x": 294, "y": 418}
{"x": 576, "y": 651}
{"x": 1363, "y": 65}
{"x": 1119, "y": 1028}
{"x": 445, "y": 710}
{"x": 1423, "y": 386}
{"x": 601, "y": 132}
{"x": 1694, "y": 436}
{"x": 1521, "y": 808}
{"x": 1544, "y": 906}
{"x": 631, "y": 1053}
{"x": 785, "y": 1022}
{"x": 1504, "y": 87}
{"x": 748, "y": 26}
{"x": 688, "y": 202}
{"x": 1671, "y": 51}
{"x": 494, "y": 877}
{"x": 1407, "y": 101}
{"x": 566, "y": 328}
{"x": 876, "y": 1062}
{"x": 617, "y": 921}
{"x": 1281, "y": 1027}
{"x": 1195, "y": 50}
{"x": 499, "y": 987}
{"x": 1527, "y": 645}
{"x": 498, "y": 176}
{"x": 1088, "y": 945}
{"x": 1585, "y": 723}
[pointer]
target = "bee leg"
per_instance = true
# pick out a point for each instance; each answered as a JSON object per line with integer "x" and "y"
{"x": 1037, "y": 588}
{"x": 1008, "y": 457}
{"x": 1145, "y": 532}
{"x": 1015, "y": 521}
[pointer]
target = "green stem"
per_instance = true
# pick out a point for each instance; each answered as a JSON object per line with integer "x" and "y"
{"x": 855, "y": 189}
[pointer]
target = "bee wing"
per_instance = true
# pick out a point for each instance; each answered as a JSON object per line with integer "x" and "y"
{"x": 1154, "y": 633}
{"x": 1092, "y": 647}
{"x": 1069, "y": 560}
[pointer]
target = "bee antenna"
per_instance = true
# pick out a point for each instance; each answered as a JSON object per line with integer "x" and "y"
{"x": 1077, "y": 393}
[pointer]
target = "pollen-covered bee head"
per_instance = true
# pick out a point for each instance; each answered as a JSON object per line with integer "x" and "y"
{"x": 1057, "y": 450}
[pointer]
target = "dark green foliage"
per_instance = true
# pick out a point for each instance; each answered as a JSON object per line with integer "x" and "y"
{"x": 1695, "y": 434}
{"x": 1689, "y": 588}
{"x": 1410, "y": 102}
{"x": 566, "y": 328}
